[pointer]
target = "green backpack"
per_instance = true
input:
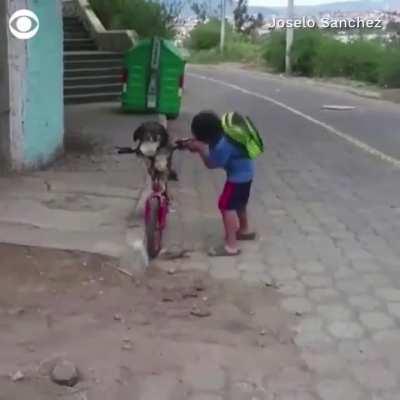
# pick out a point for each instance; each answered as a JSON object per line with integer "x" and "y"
{"x": 242, "y": 131}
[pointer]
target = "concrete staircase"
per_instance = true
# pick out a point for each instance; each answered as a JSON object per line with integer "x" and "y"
{"x": 90, "y": 75}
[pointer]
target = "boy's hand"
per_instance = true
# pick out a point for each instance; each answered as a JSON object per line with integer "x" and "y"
{"x": 195, "y": 146}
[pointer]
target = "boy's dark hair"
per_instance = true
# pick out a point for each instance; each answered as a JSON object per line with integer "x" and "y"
{"x": 207, "y": 127}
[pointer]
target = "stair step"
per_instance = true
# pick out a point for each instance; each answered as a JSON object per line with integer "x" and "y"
{"x": 92, "y": 64}
{"x": 92, "y": 72}
{"x": 73, "y": 25}
{"x": 75, "y": 31}
{"x": 71, "y": 21}
{"x": 79, "y": 42}
{"x": 83, "y": 47}
{"x": 70, "y": 18}
{"x": 89, "y": 98}
{"x": 92, "y": 89}
{"x": 73, "y": 28}
{"x": 92, "y": 55}
{"x": 93, "y": 80}
{"x": 90, "y": 75}
{"x": 76, "y": 35}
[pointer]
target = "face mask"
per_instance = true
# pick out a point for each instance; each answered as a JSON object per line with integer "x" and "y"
{"x": 149, "y": 149}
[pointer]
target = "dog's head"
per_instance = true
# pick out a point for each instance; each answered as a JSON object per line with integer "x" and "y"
{"x": 150, "y": 136}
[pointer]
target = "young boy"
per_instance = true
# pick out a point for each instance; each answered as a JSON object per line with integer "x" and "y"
{"x": 218, "y": 151}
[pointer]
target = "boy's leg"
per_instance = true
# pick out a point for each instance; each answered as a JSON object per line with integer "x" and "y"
{"x": 244, "y": 232}
{"x": 230, "y": 220}
{"x": 243, "y": 221}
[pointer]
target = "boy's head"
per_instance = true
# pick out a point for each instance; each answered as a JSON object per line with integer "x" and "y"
{"x": 207, "y": 127}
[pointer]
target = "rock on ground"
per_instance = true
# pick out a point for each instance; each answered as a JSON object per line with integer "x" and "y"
{"x": 65, "y": 373}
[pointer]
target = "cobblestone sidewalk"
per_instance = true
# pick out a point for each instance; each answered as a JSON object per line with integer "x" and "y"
{"x": 329, "y": 244}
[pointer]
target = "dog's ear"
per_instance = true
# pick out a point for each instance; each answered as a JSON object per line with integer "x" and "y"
{"x": 139, "y": 133}
{"x": 158, "y": 132}
{"x": 155, "y": 130}
{"x": 164, "y": 138}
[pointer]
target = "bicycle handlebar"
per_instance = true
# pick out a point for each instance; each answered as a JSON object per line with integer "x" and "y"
{"x": 180, "y": 144}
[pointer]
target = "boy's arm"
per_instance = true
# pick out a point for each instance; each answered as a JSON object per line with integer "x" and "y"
{"x": 203, "y": 151}
{"x": 204, "y": 154}
{"x": 212, "y": 160}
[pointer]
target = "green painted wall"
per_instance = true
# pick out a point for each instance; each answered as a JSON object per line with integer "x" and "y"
{"x": 44, "y": 108}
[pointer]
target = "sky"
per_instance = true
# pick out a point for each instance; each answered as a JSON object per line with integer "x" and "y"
{"x": 279, "y": 3}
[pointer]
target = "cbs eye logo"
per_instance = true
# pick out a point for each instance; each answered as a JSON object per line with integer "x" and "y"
{"x": 24, "y": 24}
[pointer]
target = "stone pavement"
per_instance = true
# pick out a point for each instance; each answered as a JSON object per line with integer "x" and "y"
{"x": 328, "y": 243}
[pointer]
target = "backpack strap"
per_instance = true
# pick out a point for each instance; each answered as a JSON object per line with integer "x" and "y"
{"x": 255, "y": 133}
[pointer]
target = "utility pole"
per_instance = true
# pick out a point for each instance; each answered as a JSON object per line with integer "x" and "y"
{"x": 223, "y": 18}
{"x": 289, "y": 37}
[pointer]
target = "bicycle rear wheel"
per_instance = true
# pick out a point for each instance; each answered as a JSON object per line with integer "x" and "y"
{"x": 153, "y": 229}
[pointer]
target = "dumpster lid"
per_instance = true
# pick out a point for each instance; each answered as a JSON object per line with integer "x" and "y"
{"x": 173, "y": 49}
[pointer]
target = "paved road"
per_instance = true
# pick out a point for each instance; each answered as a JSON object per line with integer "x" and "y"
{"x": 327, "y": 205}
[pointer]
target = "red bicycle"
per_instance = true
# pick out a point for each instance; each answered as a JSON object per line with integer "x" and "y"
{"x": 158, "y": 202}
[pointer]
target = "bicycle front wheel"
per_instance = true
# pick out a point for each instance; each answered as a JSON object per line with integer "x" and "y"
{"x": 153, "y": 229}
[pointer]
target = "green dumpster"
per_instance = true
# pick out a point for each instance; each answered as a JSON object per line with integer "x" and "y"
{"x": 153, "y": 78}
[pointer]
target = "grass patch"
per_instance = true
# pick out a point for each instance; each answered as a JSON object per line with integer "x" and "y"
{"x": 204, "y": 45}
{"x": 389, "y": 71}
{"x": 147, "y": 17}
{"x": 240, "y": 51}
{"x": 318, "y": 54}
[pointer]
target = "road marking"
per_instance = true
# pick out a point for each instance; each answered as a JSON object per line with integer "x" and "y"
{"x": 334, "y": 107}
{"x": 350, "y": 139}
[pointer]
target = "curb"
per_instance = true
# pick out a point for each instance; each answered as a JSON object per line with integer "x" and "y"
{"x": 135, "y": 238}
{"x": 364, "y": 93}
{"x": 369, "y": 94}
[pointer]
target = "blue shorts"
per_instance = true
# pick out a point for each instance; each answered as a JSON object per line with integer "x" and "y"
{"x": 235, "y": 196}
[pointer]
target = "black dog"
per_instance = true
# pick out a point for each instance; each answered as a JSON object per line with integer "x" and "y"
{"x": 154, "y": 143}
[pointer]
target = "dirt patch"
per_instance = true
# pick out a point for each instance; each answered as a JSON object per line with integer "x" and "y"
{"x": 391, "y": 95}
{"x": 78, "y": 143}
{"x": 118, "y": 331}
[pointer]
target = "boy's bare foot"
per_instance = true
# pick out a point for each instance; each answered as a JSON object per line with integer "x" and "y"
{"x": 223, "y": 251}
{"x": 246, "y": 236}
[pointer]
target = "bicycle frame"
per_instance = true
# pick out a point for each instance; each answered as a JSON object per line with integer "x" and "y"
{"x": 159, "y": 193}
{"x": 157, "y": 203}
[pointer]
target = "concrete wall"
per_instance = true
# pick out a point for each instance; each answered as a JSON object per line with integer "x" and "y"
{"x": 4, "y": 89}
{"x": 44, "y": 104}
{"x": 35, "y": 82}
{"x": 17, "y": 63}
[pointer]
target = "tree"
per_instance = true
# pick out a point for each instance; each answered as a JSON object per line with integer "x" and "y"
{"x": 147, "y": 17}
{"x": 240, "y": 15}
{"x": 201, "y": 10}
{"x": 245, "y": 23}
{"x": 205, "y": 10}
{"x": 393, "y": 27}
{"x": 171, "y": 11}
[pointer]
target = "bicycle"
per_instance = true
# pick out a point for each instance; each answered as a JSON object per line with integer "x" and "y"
{"x": 158, "y": 202}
